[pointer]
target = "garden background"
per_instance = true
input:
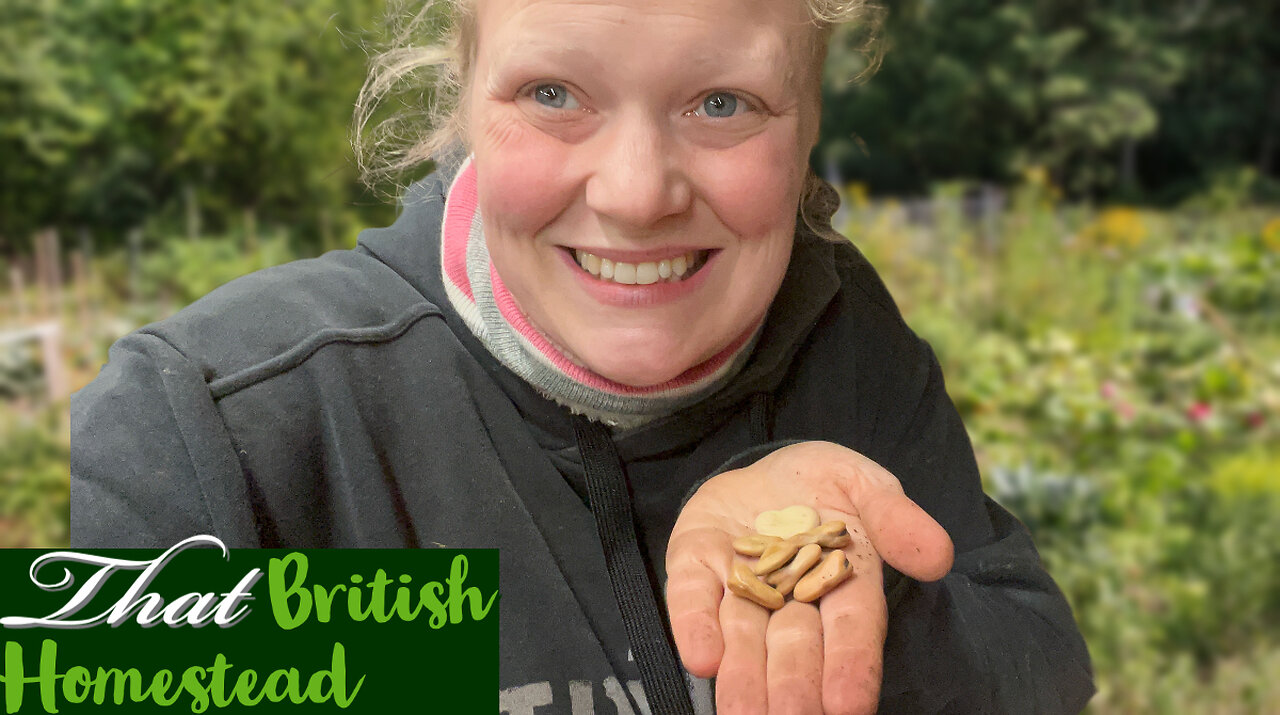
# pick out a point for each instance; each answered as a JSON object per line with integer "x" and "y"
{"x": 1077, "y": 203}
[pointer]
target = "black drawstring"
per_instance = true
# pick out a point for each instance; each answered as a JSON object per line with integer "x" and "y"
{"x": 663, "y": 679}
{"x": 761, "y": 418}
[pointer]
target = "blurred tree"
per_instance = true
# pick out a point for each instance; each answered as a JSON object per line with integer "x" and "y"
{"x": 985, "y": 89}
{"x": 202, "y": 116}
{"x": 119, "y": 112}
{"x": 1226, "y": 113}
{"x": 46, "y": 116}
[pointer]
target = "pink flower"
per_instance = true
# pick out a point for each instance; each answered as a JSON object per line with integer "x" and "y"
{"x": 1107, "y": 390}
{"x": 1199, "y": 411}
{"x": 1125, "y": 410}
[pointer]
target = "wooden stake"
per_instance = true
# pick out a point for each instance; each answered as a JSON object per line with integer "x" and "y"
{"x": 54, "y": 253}
{"x": 55, "y": 372}
{"x": 42, "y": 288}
{"x": 19, "y": 291}
{"x": 53, "y": 264}
{"x": 135, "y": 263}
{"x": 80, "y": 281}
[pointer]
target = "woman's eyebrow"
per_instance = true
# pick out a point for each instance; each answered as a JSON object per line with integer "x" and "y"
{"x": 760, "y": 60}
{"x": 544, "y": 50}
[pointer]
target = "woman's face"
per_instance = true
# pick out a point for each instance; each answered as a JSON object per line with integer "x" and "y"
{"x": 668, "y": 140}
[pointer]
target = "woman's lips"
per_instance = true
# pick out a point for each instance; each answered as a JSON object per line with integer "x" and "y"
{"x": 640, "y": 283}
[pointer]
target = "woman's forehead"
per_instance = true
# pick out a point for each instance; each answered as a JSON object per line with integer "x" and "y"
{"x": 765, "y": 33}
{"x": 792, "y": 8}
{"x": 786, "y": 18}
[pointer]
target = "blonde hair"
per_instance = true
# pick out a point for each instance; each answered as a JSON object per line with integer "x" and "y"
{"x": 428, "y": 79}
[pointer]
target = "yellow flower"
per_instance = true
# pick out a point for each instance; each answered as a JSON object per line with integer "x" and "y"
{"x": 1117, "y": 228}
{"x": 857, "y": 194}
{"x": 1271, "y": 234}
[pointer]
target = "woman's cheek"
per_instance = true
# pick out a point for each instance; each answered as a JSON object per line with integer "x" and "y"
{"x": 755, "y": 186}
{"x": 520, "y": 175}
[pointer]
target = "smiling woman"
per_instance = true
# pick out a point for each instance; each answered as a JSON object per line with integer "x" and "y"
{"x": 637, "y": 162}
{"x": 612, "y": 329}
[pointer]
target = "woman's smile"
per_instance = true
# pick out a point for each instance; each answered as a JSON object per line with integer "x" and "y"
{"x": 613, "y": 267}
{"x": 637, "y": 284}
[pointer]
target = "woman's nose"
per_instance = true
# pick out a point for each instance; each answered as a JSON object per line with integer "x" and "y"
{"x": 636, "y": 177}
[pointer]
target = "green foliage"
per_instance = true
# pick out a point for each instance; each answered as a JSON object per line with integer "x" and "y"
{"x": 1251, "y": 477}
{"x": 34, "y": 481}
{"x": 182, "y": 271}
{"x": 1120, "y": 99}
{"x": 1117, "y": 374}
{"x": 115, "y": 113}
{"x": 20, "y": 375}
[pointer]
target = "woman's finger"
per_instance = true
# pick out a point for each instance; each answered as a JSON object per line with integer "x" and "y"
{"x": 854, "y": 624}
{"x": 741, "y": 681}
{"x": 697, "y": 562}
{"x": 794, "y": 668}
{"x": 903, "y": 534}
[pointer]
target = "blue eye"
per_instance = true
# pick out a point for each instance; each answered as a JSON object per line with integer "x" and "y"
{"x": 554, "y": 96}
{"x": 720, "y": 104}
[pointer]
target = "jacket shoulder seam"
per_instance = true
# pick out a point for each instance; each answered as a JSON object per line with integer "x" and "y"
{"x": 304, "y": 349}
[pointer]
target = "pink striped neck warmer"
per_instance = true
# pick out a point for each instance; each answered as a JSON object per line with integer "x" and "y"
{"x": 488, "y": 309}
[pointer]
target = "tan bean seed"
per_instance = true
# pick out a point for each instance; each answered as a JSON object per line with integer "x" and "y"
{"x": 829, "y": 535}
{"x": 833, "y": 571}
{"x": 787, "y": 522}
{"x": 753, "y": 544}
{"x": 775, "y": 557}
{"x": 745, "y": 584}
{"x": 785, "y": 579}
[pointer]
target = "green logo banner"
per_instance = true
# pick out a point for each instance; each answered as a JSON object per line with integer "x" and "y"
{"x": 202, "y": 628}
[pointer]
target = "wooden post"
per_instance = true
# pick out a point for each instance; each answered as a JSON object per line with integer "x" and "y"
{"x": 80, "y": 281}
{"x": 19, "y": 291}
{"x": 86, "y": 247}
{"x": 55, "y": 372}
{"x": 42, "y": 288}
{"x": 55, "y": 257}
{"x": 135, "y": 263}
{"x": 53, "y": 265}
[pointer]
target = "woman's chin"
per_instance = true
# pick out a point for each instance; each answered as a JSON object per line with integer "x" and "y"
{"x": 636, "y": 368}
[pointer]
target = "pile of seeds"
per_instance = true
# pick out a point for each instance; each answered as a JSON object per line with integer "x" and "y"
{"x": 789, "y": 543}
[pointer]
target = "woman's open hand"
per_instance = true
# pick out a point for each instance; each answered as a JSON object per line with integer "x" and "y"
{"x": 806, "y": 657}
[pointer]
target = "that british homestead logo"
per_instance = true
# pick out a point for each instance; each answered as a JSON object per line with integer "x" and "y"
{"x": 98, "y": 628}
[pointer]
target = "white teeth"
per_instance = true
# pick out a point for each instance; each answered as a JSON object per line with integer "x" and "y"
{"x": 624, "y": 273}
{"x": 671, "y": 270}
{"x": 646, "y": 273}
{"x": 679, "y": 265}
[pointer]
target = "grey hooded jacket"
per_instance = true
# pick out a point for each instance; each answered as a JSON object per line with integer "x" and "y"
{"x": 340, "y": 402}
